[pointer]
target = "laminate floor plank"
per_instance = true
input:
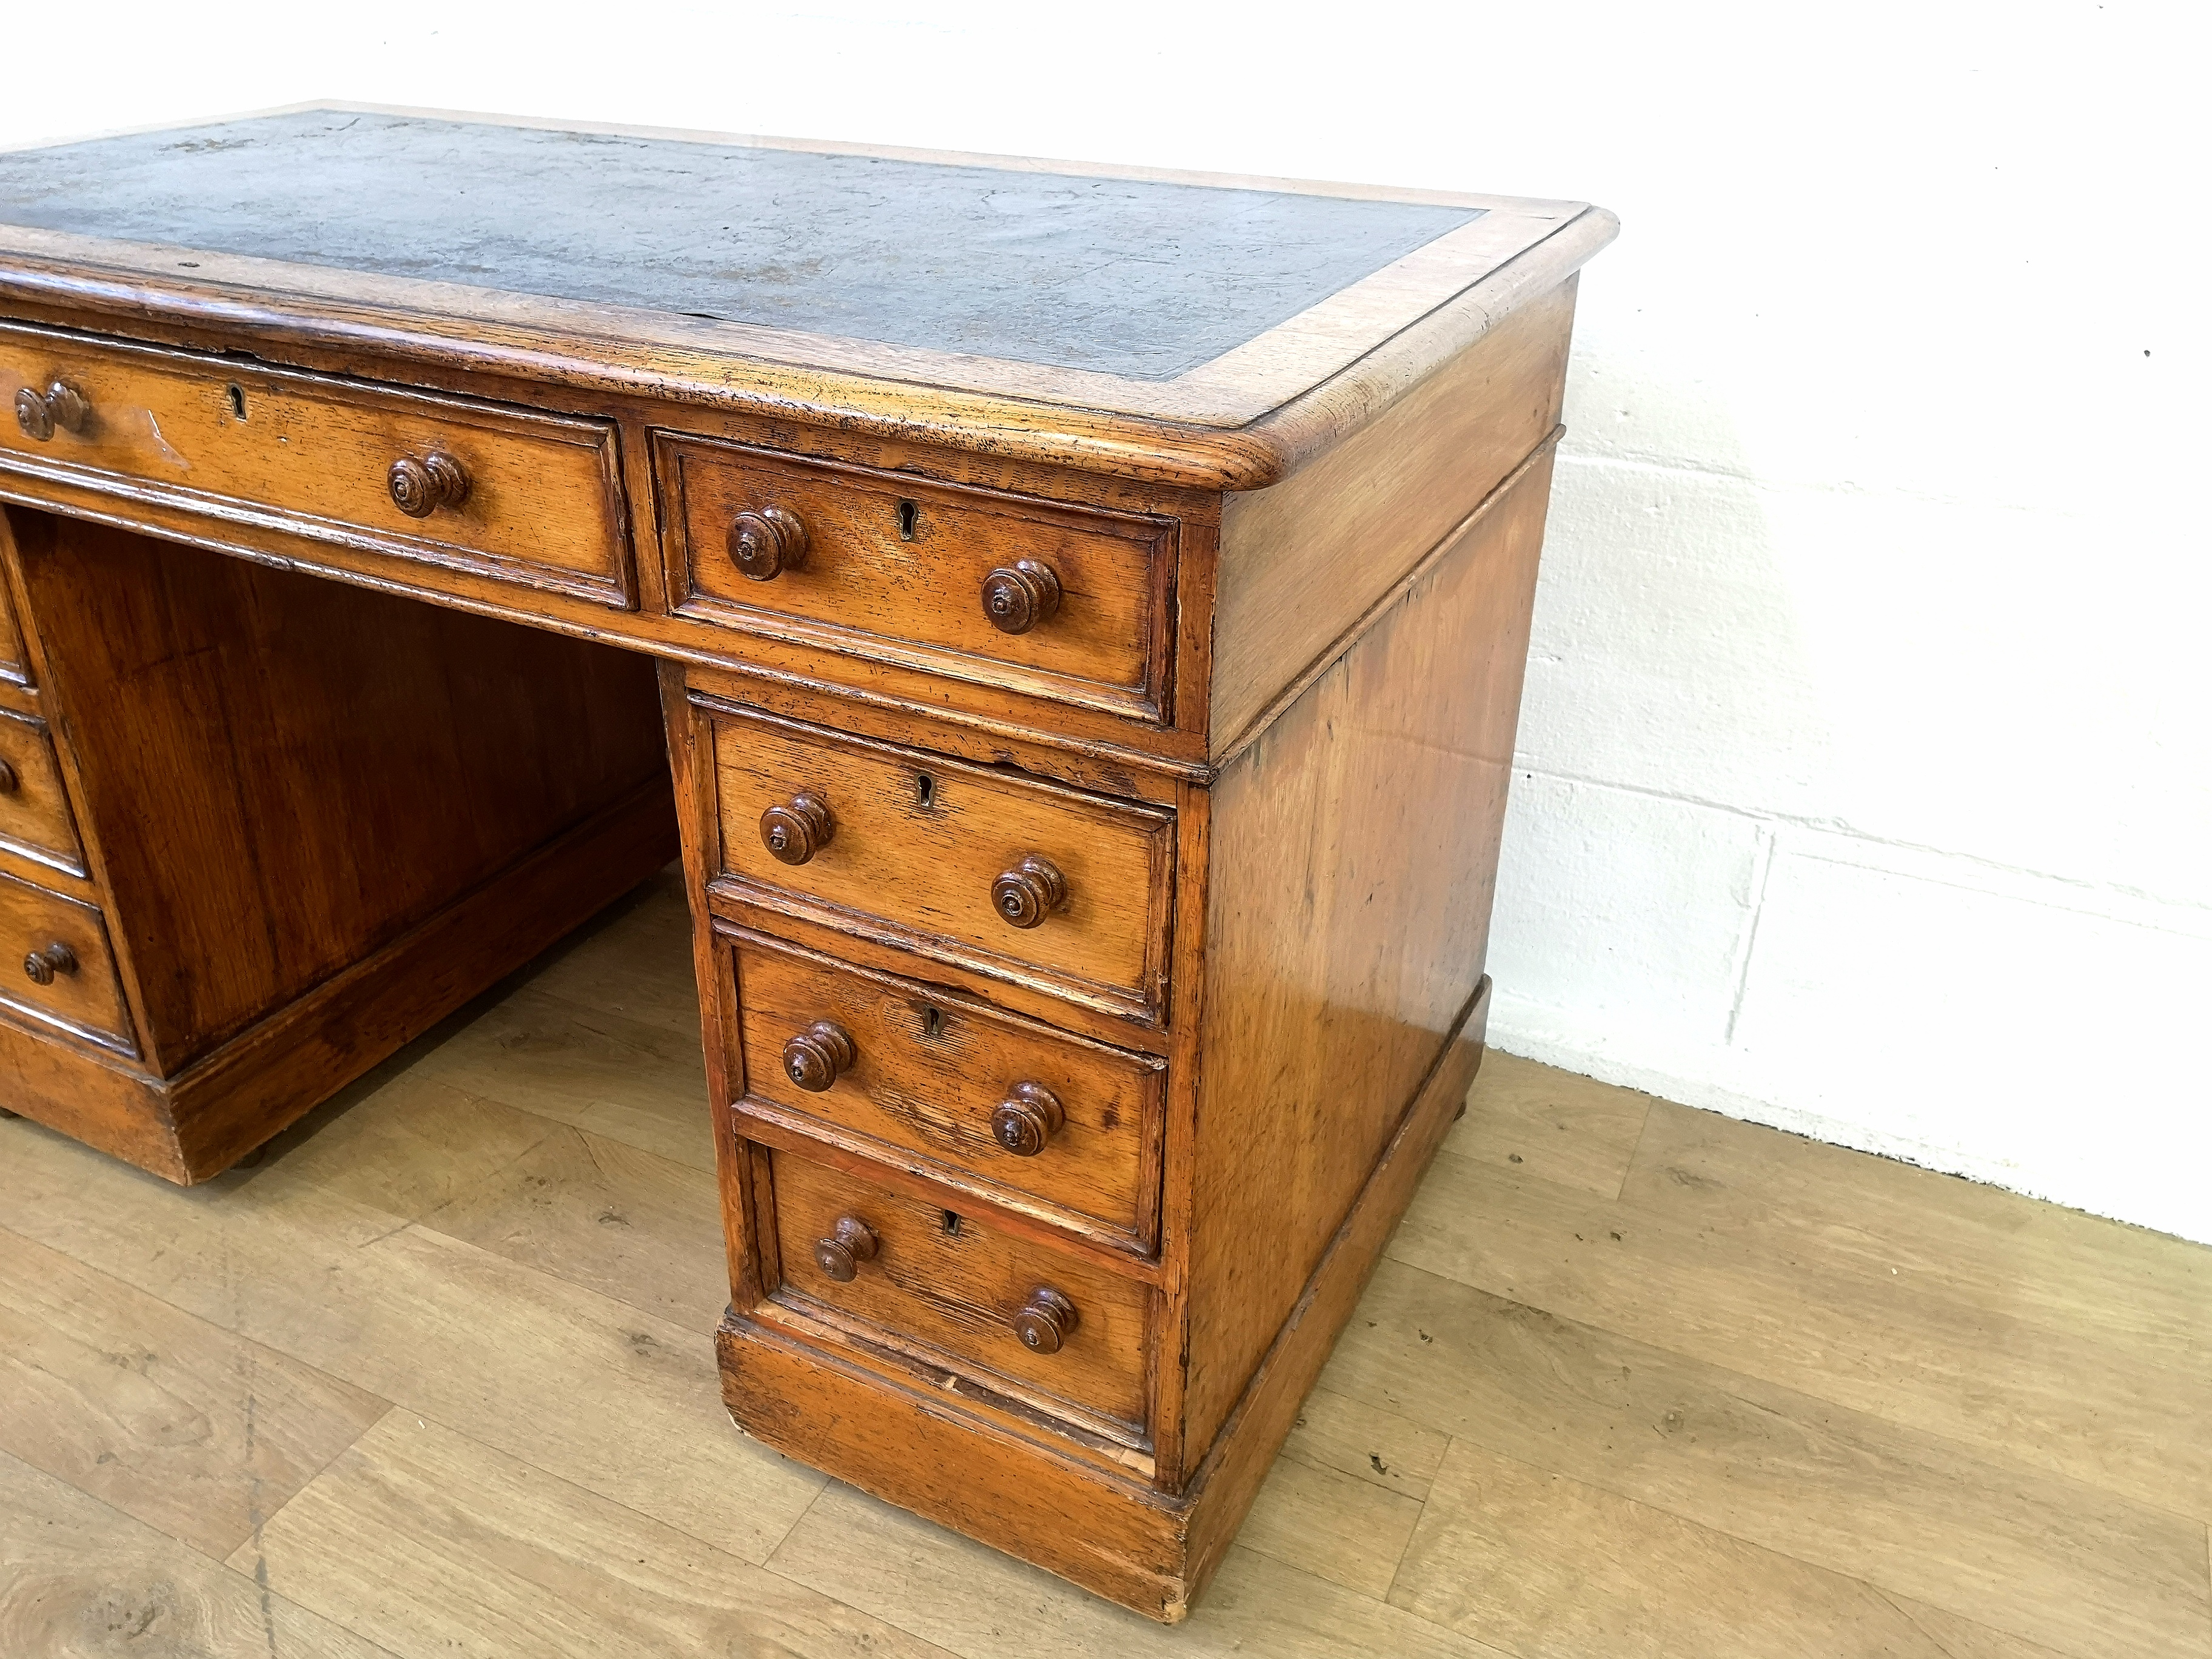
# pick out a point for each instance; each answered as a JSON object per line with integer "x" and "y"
{"x": 80, "y": 1580}
{"x": 1962, "y": 1638}
{"x": 408, "y": 1146}
{"x": 622, "y": 1403}
{"x": 971, "y": 1600}
{"x": 1331, "y": 1524}
{"x": 1358, "y": 1437}
{"x": 592, "y": 1068}
{"x": 1993, "y": 1541}
{"x": 171, "y": 1420}
{"x": 1547, "y": 1567}
{"x": 432, "y": 1545}
{"x": 600, "y": 1213}
{"x": 1911, "y": 1347}
{"x": 1572, "y": 1130}
{"x": 635, "y": 960}
{"x": 2143, "y": 1297}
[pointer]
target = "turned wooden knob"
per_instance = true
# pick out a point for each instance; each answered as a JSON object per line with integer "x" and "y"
{"x": 10, "y": 783}
{"x": 40, "y": 966}
{"x": 1017, "y": 598}
{"x": 1026, "y": 1119}
{"x": 422, "y": 485}
{"x": 1047, "y": 1320}
{"x": 60, "y": 404}
{"x": 818, "y": 1056}
{"x": 33, "y": 416}
{"x": 766, "y": 544}
{"x": 851, "y": 1242}
{"x": 795, "y": 832}
{"x": 71, "y": 410}
{"x": 1029, "y": 892}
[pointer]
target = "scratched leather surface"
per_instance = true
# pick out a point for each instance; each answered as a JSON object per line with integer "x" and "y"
{"x": 1130, "y": 277}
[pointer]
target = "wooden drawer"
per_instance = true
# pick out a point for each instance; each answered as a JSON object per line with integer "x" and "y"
{"x": 895, "y": 568}
{"x": 917, "y": 846}
{"x": 80, "y": 991}
{"x": 15, "y": 665}
{"x": 950, "y": 1088}
{"x": 316, "y": 455}
{"x": 952, "y": 1285}
{"x": 34, "y": 813}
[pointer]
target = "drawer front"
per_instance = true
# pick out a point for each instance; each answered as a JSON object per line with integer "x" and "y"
{"x": 895, "y": 568}
{"x": 73, "y": 982}
{"x": 920, "y": 843}
{"x": 34, "y": 813}
{"x": 542, "y": 501}
{"x": 944, "y": 1281}
{"x": 1013, "y": 1104}
{"x": 14, "y": 664}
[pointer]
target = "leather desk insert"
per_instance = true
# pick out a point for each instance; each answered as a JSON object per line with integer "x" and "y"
{"x": 1076, "y": 603}
{"x": 1006, "y": 1108}
{"x": 507, "y": 493}
{"x": 1077, "y": 616}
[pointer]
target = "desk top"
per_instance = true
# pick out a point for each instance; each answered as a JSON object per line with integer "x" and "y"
{"x": 886, "y": 286}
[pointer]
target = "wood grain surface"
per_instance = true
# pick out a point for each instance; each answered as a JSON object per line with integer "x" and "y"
{"x": 1568, "y": 1130}
{"x": 1303, "y": 561}
{"x": 35, "y": 819}
{"x": 217, "y": 708}
{"x": 84, "y": 996}
{"x": 83, "y": 1580}
{"x": 13, "y": 667}
{"x": 931, "y": 1071}
{"x": 919, "y": 842}
{"x": 424, "y": 1540}
{"x": 543, "y": 506}
{"x": 1354, "y": 849}
{"x": 1593, "y": 1572}
{"x": 955, "y": 1282}
{"x": 1968, "y": 1355}
{"x": 167, "y": 1418}
{"x": 597, "y": 1068}
{"x": 896, "y": 566}
{"x": 454, "y": 1333}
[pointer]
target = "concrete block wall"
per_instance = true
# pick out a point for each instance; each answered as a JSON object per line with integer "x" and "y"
{"x": 1879, "y": 816}
{"x": 1865, "y": 783}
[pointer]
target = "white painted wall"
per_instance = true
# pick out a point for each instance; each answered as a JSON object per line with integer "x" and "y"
{"x": 1865, "y": 785}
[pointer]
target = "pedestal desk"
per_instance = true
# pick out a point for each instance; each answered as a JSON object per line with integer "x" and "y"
{"x": 1072, "y": 621}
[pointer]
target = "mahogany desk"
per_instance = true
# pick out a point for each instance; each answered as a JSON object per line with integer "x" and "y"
{"x": 1082, "y": 614}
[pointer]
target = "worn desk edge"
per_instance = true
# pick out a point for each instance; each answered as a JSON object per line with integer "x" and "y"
{"x": 134, "y": 287}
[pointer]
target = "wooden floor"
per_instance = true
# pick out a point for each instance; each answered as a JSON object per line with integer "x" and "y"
{"x": 1633, "y": 1380}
